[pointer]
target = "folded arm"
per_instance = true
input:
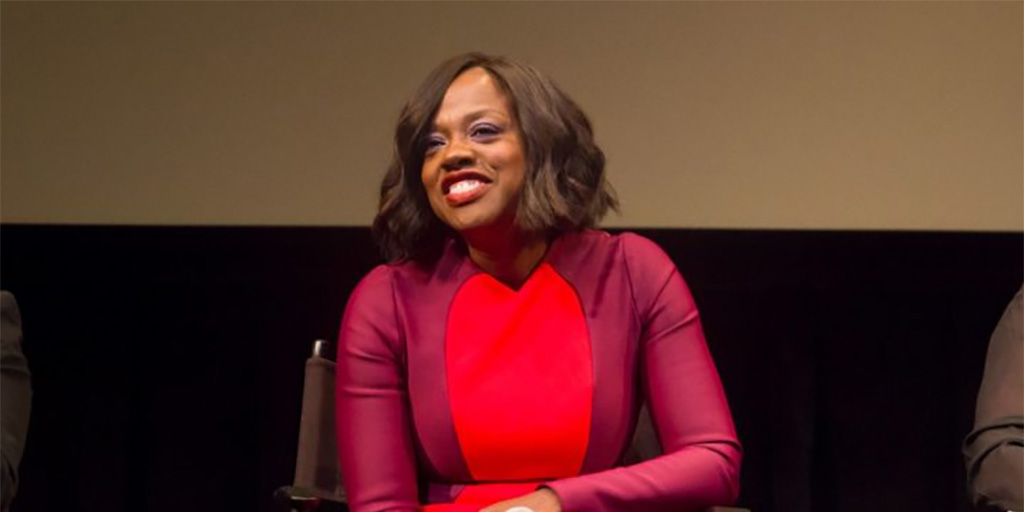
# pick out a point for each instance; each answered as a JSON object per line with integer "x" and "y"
{"x": 700, "y": 467}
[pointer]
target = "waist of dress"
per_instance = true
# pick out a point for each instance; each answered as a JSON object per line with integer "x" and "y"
{"x": 484, "y": 493}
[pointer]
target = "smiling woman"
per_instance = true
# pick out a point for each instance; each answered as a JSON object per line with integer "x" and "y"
{"x": 474, "y": 166}
{"x": 499, "y": 361}
{"x": 564, "y": 189}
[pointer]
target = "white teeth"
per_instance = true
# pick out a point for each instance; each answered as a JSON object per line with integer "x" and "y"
{"x": 464, "y": 186}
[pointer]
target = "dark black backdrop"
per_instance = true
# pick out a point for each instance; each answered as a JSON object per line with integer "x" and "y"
{"x": 167, "y": 360}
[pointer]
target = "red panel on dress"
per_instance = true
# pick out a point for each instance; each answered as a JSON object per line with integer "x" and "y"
{"x": 520, "y": 377}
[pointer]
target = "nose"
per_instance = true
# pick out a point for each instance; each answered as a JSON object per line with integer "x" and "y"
{"x": 458, "y": 155}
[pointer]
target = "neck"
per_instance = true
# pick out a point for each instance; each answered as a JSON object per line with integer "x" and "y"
{"x": 509, "y": 258}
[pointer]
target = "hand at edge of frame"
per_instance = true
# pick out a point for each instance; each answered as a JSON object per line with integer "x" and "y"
{"x": 541, "y": 500}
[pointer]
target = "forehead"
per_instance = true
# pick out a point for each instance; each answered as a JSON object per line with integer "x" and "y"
{"x": 472, "y": 92}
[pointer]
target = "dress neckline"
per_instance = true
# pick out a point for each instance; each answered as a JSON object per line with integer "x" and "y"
{"x": 475, "y": 269}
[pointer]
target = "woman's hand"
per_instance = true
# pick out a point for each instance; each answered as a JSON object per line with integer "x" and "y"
{"x": 542, "y": 500}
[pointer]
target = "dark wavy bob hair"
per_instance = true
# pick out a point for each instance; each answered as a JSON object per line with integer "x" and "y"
{"x": 565, "y": 187}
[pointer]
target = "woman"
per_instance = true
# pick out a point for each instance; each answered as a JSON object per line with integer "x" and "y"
{"x": 498, "y": 362}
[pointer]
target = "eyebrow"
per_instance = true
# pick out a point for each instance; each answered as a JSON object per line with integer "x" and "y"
{"x": 473, "y": 115}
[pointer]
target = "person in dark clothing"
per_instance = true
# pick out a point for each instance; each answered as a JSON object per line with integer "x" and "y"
{"x": 16, "y": 404}
{"x": 994, "y": 450}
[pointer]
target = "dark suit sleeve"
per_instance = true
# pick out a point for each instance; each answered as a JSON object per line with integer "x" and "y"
{"x": 994, "y": 451}
{"x": 16, "y": 391}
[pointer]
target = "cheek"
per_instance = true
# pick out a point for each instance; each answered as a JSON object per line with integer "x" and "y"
{"x": 428, "y": 179}
{"x": 425, "y": 177}
{"x": 511, "y": 164}
{"x": 518, "y": 169}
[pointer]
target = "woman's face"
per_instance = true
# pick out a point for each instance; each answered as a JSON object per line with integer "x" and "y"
{"x": 474, "y": 165}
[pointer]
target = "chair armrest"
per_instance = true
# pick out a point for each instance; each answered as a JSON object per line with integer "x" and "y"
{"x": 308, "y": 500}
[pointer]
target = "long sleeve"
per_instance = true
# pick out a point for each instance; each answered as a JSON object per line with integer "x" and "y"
{"x": 700, "y": 467}
{"x": 17, "y": 395}
{"x": 373, "y": 419}
{"x": 994, "y": 451}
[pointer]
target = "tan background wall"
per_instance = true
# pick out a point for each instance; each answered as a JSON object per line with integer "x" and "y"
{"x": 861, "y": 115}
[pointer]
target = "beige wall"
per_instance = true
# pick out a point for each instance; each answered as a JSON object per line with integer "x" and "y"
{"x": 861, "y": 115}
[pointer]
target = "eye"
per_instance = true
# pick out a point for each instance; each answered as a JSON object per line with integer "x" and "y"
{"x": 433, "y": 143}
{"x": 484, "y": 131}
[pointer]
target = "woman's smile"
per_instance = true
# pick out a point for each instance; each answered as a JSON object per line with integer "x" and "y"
{"x": 464, "y": 187}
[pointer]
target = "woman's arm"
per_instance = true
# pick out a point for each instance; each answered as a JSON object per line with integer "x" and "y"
{"x": 700, "y": 467}
{"x": 373, "y": 421}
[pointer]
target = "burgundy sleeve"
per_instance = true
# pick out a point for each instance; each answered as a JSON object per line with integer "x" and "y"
{"x": 373, "y": 419}
{"x": 700, "y": 467}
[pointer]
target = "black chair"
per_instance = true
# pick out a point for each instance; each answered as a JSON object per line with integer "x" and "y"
{"x": 317, "y": 485}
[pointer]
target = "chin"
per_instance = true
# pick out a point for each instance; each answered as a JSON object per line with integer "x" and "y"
{"x": 472, "y": 224}
{"x": 481, "y": 216}
{"x": 465, "y": 222}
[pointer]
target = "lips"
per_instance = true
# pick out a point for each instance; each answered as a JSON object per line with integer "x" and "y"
{"x": 464, "y": 187}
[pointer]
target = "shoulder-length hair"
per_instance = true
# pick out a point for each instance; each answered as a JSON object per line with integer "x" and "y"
{"x": 565, "y": 187}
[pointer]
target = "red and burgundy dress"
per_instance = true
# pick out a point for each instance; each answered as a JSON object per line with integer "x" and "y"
{"x": 455, "y": 391}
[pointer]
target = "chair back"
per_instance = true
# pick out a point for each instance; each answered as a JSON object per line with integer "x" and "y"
{"x": 316, "y": 462}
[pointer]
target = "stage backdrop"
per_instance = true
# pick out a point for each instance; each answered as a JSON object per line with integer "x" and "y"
{"x": 806, "y": 115}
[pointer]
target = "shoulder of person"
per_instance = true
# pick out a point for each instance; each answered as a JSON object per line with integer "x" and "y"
{"x": 646, "y": 260}
{"x": 647, "y": 266}
{"x": 627, "y": 242}
{"x": 386, "y": 274}
{"x": 10, "y": 320}
{"x": 640, "y": 247}
{"x": 8, "y": 304}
